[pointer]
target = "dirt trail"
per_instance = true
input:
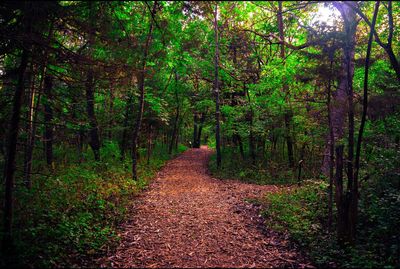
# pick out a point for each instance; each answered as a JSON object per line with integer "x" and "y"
{"x": 188, "y": 219}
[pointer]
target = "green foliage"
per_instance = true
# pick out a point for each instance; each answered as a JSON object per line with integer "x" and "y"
{"x": 73, "y": 213}
{"x": 302, "y": 213}
{"x": 263, "y": 173}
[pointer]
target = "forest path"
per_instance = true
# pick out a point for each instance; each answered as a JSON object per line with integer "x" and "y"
{"x": 188, "y": 219}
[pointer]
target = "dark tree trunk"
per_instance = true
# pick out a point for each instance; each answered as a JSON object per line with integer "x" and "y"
{"x": 341, "y": 198}
{"x": 365, "y": 100}
{"x": 111, "y": 112}
{"x": 9, "y": 168}
{"x": 202, "y": 119}
{"x": 195, "y": 125}
{"x": 331, "y": 148}
{"x": 141, "y": 88}
{"x": 239, "y": 139}
{"x": 174, "y": 131}
{"x": 128, "y": 112}
{"x": 94, "y": 140}
{"x": 176, "y": 121}
{"x": 29, "y": 130}
{"x": 340, "y": 98}
{"x": 216, "y": 89}
{"x": 33, "y": 114}
{"x": 149, "y": 143}
{"x": 250, "y": 119}
{"x": 288, "y": 112}
{"x": 48, "y": 118}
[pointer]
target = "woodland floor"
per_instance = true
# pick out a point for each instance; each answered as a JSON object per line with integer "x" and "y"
{"x": 188, "y": 219}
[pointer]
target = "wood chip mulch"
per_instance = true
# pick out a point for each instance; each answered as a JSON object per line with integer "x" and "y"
{"x": 188, "y": 219}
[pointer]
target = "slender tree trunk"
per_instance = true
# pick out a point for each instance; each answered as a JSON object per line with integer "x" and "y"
{"x": 29, "y": 130}
{"x": 331, "y": 149}
{"x": 94, "y": 139}
{"x": 195, "y": 125}
{"x": 48, "y": 118}
{"x": 202, "y": 119}
{"x": 216, "y": 88}
{"x": 128, "y": 112}
{"x": 149, "y": 142}
{"x": 9, "y": 168}
{"x": 174, "y": 131}
{"x": 348, "y": 200}
{"x": 288, "y": 112}
{"x": 33, "y": 114}
{"x": 176, "y": 121}
{"x": 251, "y": 135}
{"x": 239, "y": 139}
{"x": 341, "y": 199}
{"x": 141, "y": 88}
{"x": 340, "y": 98}
{"x": 111, "y": 112}
{"x": 365, "y": 100}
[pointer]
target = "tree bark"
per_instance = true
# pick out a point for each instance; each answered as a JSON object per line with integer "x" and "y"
{"x": 331, "y": 149}
{"x": 141, "y": 88}
{"x": 9, "y": 168}
{"x": 251, "y": 135}
{"x": 195, "y": 125}
{"x": 111, "y": 111}
{"x": 202, "y": 119}
{"x": 29, "y": 130}
{"x": 94, "y": 140}
{"x": 340, "y": 98}
{"x": 365, "y": 100}
{"x": 176, "y": 121}
{"x": 288, "y": 112}
{"x": 48, "y": 117}
{"x": 216, "y": 88}
{"x": 349, "y": 200}
{"x": 149, "y": 143}
{"x": 128, "y": 112}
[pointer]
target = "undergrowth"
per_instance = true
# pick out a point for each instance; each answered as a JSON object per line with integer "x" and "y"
{"x": 260, "y": 172}
{"x": 302, "y": 212}
{"x": 70, "y": 215}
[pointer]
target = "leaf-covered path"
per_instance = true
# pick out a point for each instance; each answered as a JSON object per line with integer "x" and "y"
{"x": 188, "y": 219}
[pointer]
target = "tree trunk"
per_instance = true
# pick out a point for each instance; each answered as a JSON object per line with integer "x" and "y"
{"x": 141, "y": 88}
{"x": 149, "y": 142}
{"x": 9, "y": 168}
{"x": 128, "y": 111}
{"x": 48, "y": 118}
{"x": 174, "y": 131}
{"x": 288, "y": 112}
{"x": 365, "y": 100}
{"x": 339, "y": 106}
{"x": 176, "y": 121}
{"x": 341, "y": 199}
{"x": 331, "y": 148}
{"x": 29, "y": 130}
{"x": 33, "y": 114}
{"x": 195, "y": 124}
{"x": 216, "y": 88}
{"x": 94, "y": 140}
{"x": 250, "y": 119}
{"x": 111, "y": 112}
{"x": 202, "y": 119}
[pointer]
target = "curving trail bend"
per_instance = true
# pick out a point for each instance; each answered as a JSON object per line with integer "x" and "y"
{"x": 188, "y": 219}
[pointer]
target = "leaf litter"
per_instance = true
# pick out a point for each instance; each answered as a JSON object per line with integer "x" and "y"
{"x": 186, "y": 218}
